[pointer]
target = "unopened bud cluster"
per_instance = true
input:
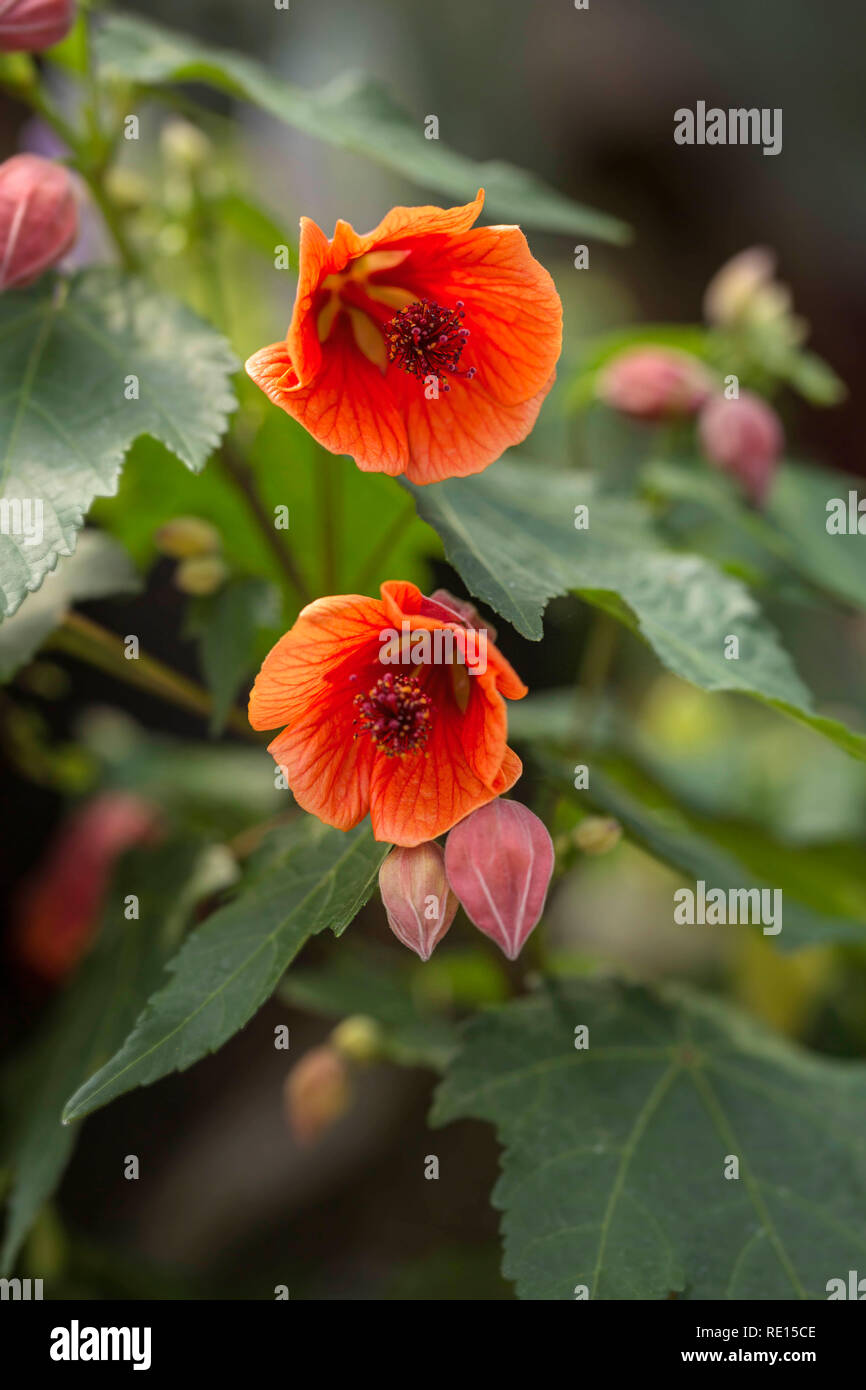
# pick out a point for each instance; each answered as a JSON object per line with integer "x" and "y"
{"x": 497, "y": 865}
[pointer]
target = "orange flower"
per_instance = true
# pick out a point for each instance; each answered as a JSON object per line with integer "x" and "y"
{"x": 417, "y": 744}
{"x": 425, "y": 347}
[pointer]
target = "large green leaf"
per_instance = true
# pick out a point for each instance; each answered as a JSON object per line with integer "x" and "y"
{"x": 67, "y": 351}
{"x": 614, "y": 1156}
{"x": 353, "y": 113}
{"x": 99, "y": 568}
{"x": 510, "y": 533}
{"x": 90, "y": 1021}
{"x": 231, "y": 965}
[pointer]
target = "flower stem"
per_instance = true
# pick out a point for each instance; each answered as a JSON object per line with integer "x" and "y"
{"x": 329, "y": 513}
{"x": 597, "y": 656}
{"x": 381, "y": 552}
{"x": 88, "y": 641}
{"x": 240, "y": 473}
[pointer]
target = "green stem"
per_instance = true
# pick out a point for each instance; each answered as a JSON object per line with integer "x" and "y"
{"x": 329, "y": 514}
{"x": 595, "y": 663}
{"x": 88, "y": 641}
{"x": 381, "y": 552}
{"x": 243, "y": 478}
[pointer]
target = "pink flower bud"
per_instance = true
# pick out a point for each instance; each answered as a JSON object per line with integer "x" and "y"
{"x": 499, "y": 861}
{"x": 58, "y": 912}
{"x": 654, "y": 383}
{"x": 31, "y": 25}
{"x": 38, "y": 217}
{"x": 743, "y": 437}
{"x": 418, "y": 901}
{"x": 316, "y": 1093}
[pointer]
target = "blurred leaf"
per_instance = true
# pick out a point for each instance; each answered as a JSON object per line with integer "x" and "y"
{"x": 823, "y": 886}
{"x": 510, "y": 534}
{"x": 614, "y": 1156}
{"x": 71, "y": 52}
{"x": 232, "y": 963}
{"x": 89, "y": 1021}
{"x": 98, "y": 568}
{"x": 252, "y": 222}
{"x": 66, "y": 351}
{"x": 792, "y": 530}
{"x": 812, "y": 377}
{"x": 798, "y": 507}
{"x": 413, "y": 1033}
{"x": 353, "y": 113}
{"x": 229, "y": 626}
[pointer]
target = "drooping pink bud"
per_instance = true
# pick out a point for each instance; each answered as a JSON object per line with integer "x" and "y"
{"x": 418, "y": 901}
{"x": 743, "y": 437}
{"x": 499, "y": 861}
{"x": 38, "y": 217}
{"x": 654, "y": 383}
{"x": 33, "y": 25}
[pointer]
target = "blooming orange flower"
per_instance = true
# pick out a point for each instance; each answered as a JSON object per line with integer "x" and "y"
{"x": 417, "y": 745}
{"x": 425, "y": 347}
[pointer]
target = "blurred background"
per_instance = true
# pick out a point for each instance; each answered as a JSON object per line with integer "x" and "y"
{"x": 230, "y": 1205}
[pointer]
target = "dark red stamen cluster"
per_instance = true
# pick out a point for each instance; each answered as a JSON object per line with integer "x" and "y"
{"x": 427, "y": 340}
{"x": 396, "y": 714}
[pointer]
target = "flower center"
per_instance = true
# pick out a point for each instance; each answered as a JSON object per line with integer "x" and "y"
{"x": 427, "y": 340}
{"x": 396, "y": 714}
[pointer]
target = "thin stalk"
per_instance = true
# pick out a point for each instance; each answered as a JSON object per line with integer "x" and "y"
{"x": 242, "y": 476}
{"x": 381, "y": 552}
{"x": 88, "y": 641}
{"x": 330, "y": 519}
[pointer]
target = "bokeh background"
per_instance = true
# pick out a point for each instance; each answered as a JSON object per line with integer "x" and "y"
{"x": 231, "y": 1205}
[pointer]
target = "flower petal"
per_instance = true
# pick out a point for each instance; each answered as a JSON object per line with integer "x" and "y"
{"x": 349, "y": 408}
{"x": 300, "y": 670}
{"x": 513, "y": 311}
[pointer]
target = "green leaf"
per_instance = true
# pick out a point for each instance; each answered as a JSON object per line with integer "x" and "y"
{"x": 798, "y": 507}
{"x": 66, "y": 351}
{"x": 98, "y": 568}
{"x": 413, "y": 1033}
{"x": 510, "y": 534}
{"x": 232, "y": 963}
{"x": 812, "y": 377}
{"x": 823, "y": 887}
{"x": 614, "y": 1156}
{"x": 230, "y": 625}
{"x": 90, "y": 1021}
{"x": 352, "y": 113}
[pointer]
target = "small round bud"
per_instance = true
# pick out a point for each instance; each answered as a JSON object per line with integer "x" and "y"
{"x": 34, "y": 25}
{"x": 185, "y": 536}
{"x": 38, "y": 218}
{"x": 597, "y": 834}
{"x": 358, "y": 1038}
{"x": 201, "y": 575}
{"x": 654, "y": 383}
{"x": 316, "y": 1093}
{"x": 184, "y": 146}
{"x": 743, "y": 437}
